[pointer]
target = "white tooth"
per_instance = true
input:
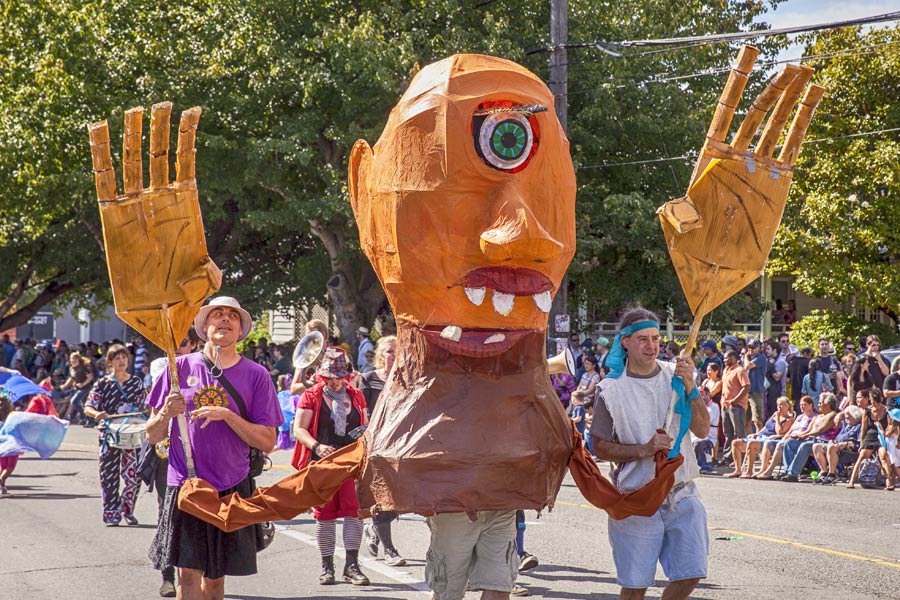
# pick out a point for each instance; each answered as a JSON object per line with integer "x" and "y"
{"x": 475, "y": 295}
{"x": 503, "y": 303}
{"x": 495, "y": 339}
{"x": 452, "y": 332}
{"x": 543, "y": 301}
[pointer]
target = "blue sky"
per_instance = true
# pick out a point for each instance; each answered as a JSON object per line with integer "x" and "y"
{"x": 811, "y": 12}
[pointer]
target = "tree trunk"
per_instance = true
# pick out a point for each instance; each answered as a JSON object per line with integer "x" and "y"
{"x": 45, "y": 297}
{"x": 356, "y": 295}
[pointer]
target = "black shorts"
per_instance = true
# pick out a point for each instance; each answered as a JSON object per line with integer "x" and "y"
{"x": 185, "y": 541}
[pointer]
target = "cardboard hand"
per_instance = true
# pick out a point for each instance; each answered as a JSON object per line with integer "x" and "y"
{"x": 159, "y": 267}
{"x": 720, "y": 234}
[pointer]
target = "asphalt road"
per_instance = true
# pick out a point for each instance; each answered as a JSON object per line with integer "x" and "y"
{"x": 768, "y": 540}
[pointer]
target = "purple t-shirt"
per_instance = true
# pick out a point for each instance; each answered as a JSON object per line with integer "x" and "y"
{"x": 221, "y": 457}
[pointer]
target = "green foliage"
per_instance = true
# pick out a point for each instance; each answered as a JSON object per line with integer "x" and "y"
{"x": 837, "y": 327}
{"x": 840, "y": 237}
{"x": 260, "y": 330}
{"x": 286, "y": 88}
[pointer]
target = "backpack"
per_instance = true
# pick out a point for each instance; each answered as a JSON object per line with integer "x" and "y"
{"x": 870, "y": 475}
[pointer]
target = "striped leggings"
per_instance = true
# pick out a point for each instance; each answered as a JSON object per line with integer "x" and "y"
{"x": 325, "y": 535}
{"x": 116, "y": 464}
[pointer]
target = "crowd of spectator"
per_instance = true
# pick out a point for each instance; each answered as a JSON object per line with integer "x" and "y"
{"x": 68, "y": 372}
{"x": 826, "y": 415}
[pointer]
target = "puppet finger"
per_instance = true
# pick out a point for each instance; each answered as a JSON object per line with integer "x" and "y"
{"x": 776, "y": 124}
{"x": 159, "y": 144}
{"x": 798, "y": 128}
{"x": 132, "y": 163}
{"x": 185, "y": 166}
{"x": 761, "y": 106}
{"x": 101, "y": 159}
{"x": 731, "y": 94}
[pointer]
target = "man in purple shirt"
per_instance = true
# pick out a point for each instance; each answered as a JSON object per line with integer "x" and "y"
{"x": 220, "y": 441}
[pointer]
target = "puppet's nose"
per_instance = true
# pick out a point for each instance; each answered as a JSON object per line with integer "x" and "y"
{"x": 517, "y": 234}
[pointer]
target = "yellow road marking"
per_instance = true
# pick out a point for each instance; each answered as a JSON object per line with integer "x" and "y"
{"x": 884, "y": 562}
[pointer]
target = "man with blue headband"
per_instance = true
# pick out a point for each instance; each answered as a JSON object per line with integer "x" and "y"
{"x": 641, "y": 406}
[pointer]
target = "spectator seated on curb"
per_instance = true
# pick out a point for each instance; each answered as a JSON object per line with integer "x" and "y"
{"x": 708, "y": 444}
{"x": 843, "y": 451}
{"x": 801, "y": 425}
{"x": 824, "y": 428}
{"x": 776, "y": 427}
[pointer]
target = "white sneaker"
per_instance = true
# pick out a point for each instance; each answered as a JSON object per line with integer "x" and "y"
{"x": 3, "y": 490}
{"x": 370, "y": 539}
{"x": 392, "y": 559}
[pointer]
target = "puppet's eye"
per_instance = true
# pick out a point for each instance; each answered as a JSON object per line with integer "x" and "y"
{"x": 505, "y": 140}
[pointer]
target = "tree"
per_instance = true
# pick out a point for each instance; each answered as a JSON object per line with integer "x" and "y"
{"x": 286, "y": 88}
{"x": 840, "y": 237}
{"x": 650, "y": 104}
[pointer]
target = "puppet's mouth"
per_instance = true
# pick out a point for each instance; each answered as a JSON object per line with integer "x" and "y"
{"x": 505, "y": 284}
{"x": 476, "y": 343}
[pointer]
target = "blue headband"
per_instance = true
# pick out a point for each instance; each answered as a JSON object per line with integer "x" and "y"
{"x": 615, "y": 360}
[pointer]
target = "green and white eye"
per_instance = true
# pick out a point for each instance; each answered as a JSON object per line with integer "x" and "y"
{"x": 505, "y": 140}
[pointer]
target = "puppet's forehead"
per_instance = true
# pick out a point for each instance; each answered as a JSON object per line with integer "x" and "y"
{"x": 469, "y": 79}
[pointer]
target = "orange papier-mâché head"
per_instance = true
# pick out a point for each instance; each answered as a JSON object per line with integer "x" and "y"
{"x": 466, "y": 204}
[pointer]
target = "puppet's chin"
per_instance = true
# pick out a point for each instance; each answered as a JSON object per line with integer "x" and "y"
{"x": 477, "y": 343}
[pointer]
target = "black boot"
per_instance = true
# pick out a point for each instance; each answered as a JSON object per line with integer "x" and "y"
{"x": 327, "y": 576}
{"x": 352, "y": 574}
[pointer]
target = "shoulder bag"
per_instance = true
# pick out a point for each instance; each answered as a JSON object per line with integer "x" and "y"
{"x": 265, "y": 532}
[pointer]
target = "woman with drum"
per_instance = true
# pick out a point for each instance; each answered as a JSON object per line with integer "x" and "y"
{"x": 329, "y": 417}
{"x": 115, "y": 394}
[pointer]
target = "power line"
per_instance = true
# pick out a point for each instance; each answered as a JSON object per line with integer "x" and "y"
{"x": 726, "y": 37}
{"x": 635, "y": 162}
{"x": 660, "y": 77}
{"x": 691, "y": 157}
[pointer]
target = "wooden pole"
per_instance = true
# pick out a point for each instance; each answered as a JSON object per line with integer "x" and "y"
{"x": 175, "y": 385}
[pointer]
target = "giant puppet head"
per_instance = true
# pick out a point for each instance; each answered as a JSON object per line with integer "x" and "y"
{"x": 466, "y": 209}
{"x": 466, "y": 204}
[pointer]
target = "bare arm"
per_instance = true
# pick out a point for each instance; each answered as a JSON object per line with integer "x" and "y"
{"x": 254, "y": 434}
{"x": 158, "y": 423}
{"x": 782, "y": 427}
{"x": 699, "y": 418}
{"x": 302, "y": 423}
{"x": 622, "y": 453}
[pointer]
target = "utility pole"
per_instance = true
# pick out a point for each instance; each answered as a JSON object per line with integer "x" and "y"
{"x": 559, "y": 85}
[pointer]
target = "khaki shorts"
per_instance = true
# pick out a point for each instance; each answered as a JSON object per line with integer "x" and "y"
{"x": 477, "y": 556}
{"x": 756, "y": 406}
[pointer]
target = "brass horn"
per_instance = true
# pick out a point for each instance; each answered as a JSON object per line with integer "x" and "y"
{"x": 564, "y": 362}
{"x": 309, "y": 350}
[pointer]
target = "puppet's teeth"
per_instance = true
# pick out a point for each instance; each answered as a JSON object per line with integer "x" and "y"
{"x": 503, "y": 303}
{"x": 543, "y": 301}
{"x": 475, "y": 295}
{"x": 495, "y": 339}
{"x": 451, "y": 332}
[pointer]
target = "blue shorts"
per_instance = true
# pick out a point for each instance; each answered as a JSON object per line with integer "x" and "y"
{"x": 678, "y": 539}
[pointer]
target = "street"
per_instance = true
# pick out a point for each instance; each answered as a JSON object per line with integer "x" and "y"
{"x": 768, "y": 540}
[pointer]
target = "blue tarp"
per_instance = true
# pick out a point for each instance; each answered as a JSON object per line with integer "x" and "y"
{"x": 30, "y": 432}
{"x": 17, "y": 387}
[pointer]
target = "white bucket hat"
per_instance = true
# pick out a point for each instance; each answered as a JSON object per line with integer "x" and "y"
{"x": 227, "y": 301}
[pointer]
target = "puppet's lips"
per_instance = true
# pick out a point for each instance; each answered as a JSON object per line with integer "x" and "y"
{"x": 472, "y": 342}
{"x": 505, "y": 284}
{"x": 508, "y": 280}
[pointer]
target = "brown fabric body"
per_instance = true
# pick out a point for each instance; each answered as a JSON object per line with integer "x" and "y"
{"x": 312, "y": 486}
{"x": 458, "y": 434}
{"x": 600, "y": 492}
